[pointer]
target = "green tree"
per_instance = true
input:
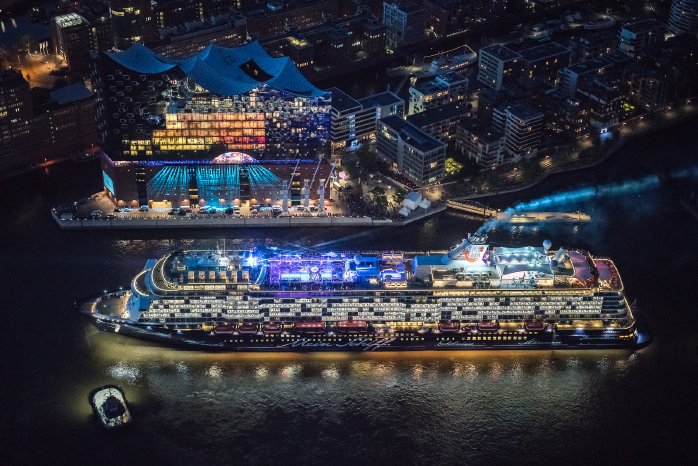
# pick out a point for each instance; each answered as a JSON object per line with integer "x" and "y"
{"x": 379, "y": 199}
{"x": 398, "y": 196}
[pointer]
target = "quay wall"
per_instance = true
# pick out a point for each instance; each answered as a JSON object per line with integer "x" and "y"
{"x": 265, "y": 222}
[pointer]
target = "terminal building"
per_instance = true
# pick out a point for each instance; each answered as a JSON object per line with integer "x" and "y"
{"x": 175, "y": 128}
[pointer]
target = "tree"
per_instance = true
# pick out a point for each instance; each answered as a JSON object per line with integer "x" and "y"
{"x": 379, "y": 199}
{"x": 398, "y": 196}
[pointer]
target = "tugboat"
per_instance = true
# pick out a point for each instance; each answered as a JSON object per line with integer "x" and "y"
{"x": 109, "y": 404}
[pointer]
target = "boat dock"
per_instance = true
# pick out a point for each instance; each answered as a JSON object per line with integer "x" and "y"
{"x": 480, "y": 210}
{"x": 472, "y": 207}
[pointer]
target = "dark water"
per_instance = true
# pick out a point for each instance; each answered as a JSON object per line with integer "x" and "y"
{"x": 447, "y": 408}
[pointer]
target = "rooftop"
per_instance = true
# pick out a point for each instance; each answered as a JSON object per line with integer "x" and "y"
{"x": 405, "y": 5}
{"x": 476, "y": 128}
{"x": 11, "y": 78}
{"x": 411, "y": 134}
{"x": 437, "y": 114}
{"x": 541, "y": 52}
{"x": 442, "y": 81}
{"x": 68, "y": 20}
{"x": 500, "y": 52}
{"x": 590, "y": 65}
{"x": 382, "y": 99}
{"x": 524, "y": 112}
{"x": 70, "y": 93}
{"x": 646, "y": 25}
{"x": 222, "y": 70}
{"x": 341, "y": 101}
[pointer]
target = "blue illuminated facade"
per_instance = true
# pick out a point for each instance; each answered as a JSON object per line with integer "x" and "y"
{"x": 168, "y": 124}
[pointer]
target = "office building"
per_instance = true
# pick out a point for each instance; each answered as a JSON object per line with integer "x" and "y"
{"x": 172, "y": 126}
{"x": 404, "y": 22}
{"x": 683, "y": 17}
{"x": 353, "y": 121}
{"x": 522, "y": 127}
{"x": 496, "y": 65}
{"x": 635, "y": 37}
{"x": 481, "y": 144}
{"x": 543, "y": 61}
{"x": 442, "y": 121}
{"x": 44, "y": 126}
{"x": 72, "y": 40}
{"x": 441, "y": 90}
{"x": 132, "y": 21}
{"x": 603, "y": 96}
{"x": 415, "y": 154}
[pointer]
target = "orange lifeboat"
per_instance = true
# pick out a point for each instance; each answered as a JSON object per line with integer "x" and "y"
{"x": 224, "y": 327}
{"x": 271, "y": 327}
{"x": 446, "y": 326}
{"x": 488, "y": 325}
{"x": 534, "y": 325}
{"x": 352, "y": 326}
{"x": 309, "y": 327}
{"x": 247, "y": 328}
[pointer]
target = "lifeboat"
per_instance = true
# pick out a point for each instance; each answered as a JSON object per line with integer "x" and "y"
{"x": 352, "y": 326}
{"x": 247, "y": 328}
{"x": 533, "y": 325}
{"x": 271, "y": 327}
{"x": 224, "y": 327}
{"x": 488, "y": 325}
{"x": 446, "y": 326}
{"x": 309, "y": 327}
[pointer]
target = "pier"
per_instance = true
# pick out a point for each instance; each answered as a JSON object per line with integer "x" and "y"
{"x": 480, "y": 210}
{"x": 472, "y": 207}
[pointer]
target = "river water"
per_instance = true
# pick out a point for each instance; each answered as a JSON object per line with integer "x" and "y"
{"x": 442, "y": 408}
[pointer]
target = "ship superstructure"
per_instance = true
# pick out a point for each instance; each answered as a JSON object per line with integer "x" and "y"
{"x": 473, "y": 295}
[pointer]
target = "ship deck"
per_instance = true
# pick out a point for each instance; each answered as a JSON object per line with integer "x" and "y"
{"x": 323, "y": 273}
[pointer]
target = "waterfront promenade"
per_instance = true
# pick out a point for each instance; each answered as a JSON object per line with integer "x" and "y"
{"x": 177, "y": 222}
{"x": 586, "y": 155}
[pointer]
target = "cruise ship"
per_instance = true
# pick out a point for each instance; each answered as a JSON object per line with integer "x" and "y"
{"x": 472, "y": 296}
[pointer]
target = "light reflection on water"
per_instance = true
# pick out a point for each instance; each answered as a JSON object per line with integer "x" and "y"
{"x": 227, "y": 395}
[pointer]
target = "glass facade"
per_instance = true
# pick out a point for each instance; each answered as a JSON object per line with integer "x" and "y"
{"x": 168, "y": 116}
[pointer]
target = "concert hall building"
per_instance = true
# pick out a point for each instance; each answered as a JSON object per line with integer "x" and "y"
{"x": 223, "y": 125}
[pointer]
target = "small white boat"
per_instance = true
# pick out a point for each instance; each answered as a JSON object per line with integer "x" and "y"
{"x": 109, "y": 404}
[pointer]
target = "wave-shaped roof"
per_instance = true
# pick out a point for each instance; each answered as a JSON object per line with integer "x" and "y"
{"x": 223, "y": 70}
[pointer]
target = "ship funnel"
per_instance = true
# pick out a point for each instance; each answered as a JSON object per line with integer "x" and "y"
{"x": 559, "y": 255}
{"x": 458, "y": 251}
